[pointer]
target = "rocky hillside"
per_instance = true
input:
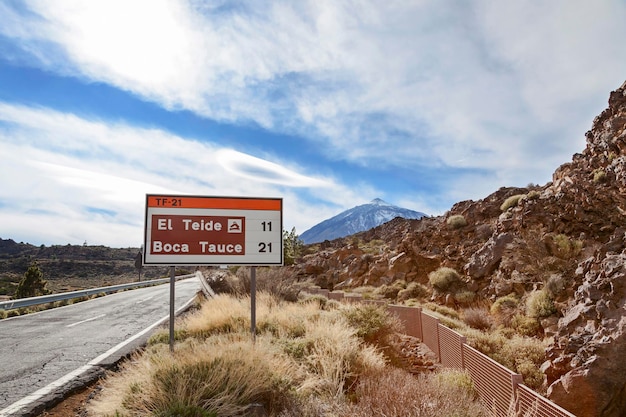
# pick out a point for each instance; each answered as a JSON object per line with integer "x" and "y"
{"x": 566, "y": 237}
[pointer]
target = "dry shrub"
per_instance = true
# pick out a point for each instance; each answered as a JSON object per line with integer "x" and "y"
{"x": 301, "y": 351}
{"x": 540, "y": 304}
{"x": 512, "y": 201}
{"x": 391, "y": 291}
{"x": 566, "y": 248}
{"x": 374, "y": 324}
{"x": 555, "y": 285}
{"x": 274, "y": 280}
{"x": 504, "y": 309}
{"x": 318, "y": 299}
{"x": 366, "y": 291}
{"x": 456, "y": 221}
{"x": 525, "y": 356}
{"x": 520, "y": 354}
{"x": 478, "y": 318}
{"x": 335, "y": 359}
{"x": 220, "y": 315}
{"x": 219, "y": 376}
{"x": 443, "y": 278}
{"x": 396, "y": 393}
{"x": 413, "y": 290}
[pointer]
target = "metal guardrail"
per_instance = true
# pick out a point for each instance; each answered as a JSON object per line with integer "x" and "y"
{"x": 206, "y": 288}
{"x": 44, "y": 299}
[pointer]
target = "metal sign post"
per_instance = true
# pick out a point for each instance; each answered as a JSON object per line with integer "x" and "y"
{"x": 172, "y": 308}
{"x": 253, "y": 303}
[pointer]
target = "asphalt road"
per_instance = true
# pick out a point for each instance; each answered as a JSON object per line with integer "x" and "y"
{"x": 46, "y": 354}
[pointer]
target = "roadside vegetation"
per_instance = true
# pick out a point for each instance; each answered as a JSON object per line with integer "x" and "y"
{"x": 507, "y": 329}
{"x": 312, "y": 357}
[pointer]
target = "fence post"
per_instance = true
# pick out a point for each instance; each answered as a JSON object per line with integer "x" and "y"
{"x": 463, "y": 341}
{"x": 419, "y": 323}
{"x": 516, "y": 379}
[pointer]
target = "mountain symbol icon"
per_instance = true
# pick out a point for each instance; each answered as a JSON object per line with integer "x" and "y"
{"x": 234, "y": 226}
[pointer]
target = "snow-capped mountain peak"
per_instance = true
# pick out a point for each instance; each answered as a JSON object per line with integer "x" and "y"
{"x": 357, "y": 219}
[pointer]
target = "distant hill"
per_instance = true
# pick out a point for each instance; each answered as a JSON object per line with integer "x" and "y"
{"x": 357, "y": 219}
{"x": 70, "y": 267}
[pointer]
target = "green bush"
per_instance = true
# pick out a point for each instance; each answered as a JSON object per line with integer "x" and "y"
{"x": 506, "y": 303}
{"x": 373, "y": 323}
{"x": 456, "y": 221}
{"x": 443, "y": 310}
{"x": 465, "y": 297}
{"x": 566, "y": 248}
{"x": 511, "y": 201}
{"x": 391, "y": 291}
{"x": 599, "y": 176}
{"x": 526, "y": 326}
{"x": 413, "y": 290}
{"x": 456, "y": 379}
{"x": 504, "y": 308}
{"x": 443, "y": 278}
{"x": 533, "y": 195}
{"x": 540, "y": 304}
{"x": 525, "y": 356}
{"x": 13, "y": 313}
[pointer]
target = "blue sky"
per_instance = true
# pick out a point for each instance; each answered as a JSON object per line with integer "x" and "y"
{"x": 325, "y": 103}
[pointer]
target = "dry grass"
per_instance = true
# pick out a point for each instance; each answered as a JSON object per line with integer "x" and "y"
{"x": 504, "y": 309}
{"x": 397, "y": 393}
{"x": 456, "y": 221}
{"x": 414, "y": 290}
{"x": 221, "y": 375}
{"x": 512, "y": 201}
{"x": 307, "y": 361}
{"x": 443, "y": 278}
{"x": 478, "y": 318}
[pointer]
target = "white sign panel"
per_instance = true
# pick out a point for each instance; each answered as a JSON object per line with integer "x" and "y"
{"x": 197, "y": 230}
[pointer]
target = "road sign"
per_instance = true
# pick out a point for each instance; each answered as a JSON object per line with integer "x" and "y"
{"x": 201, "y": 230}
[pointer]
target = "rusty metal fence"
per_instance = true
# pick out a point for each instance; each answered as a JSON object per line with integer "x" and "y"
{"x": 501, "y": 390}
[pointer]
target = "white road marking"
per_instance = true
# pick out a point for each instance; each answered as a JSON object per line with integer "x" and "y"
{"x": 145, "y": 299}
{"x": 85, "y": 321}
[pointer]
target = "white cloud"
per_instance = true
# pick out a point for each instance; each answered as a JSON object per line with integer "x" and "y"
{"x": 257, "y": 169}
{"x": 484, "y": 85}
{"x": 503, "y": 90}
{"x": 61, "y": 170}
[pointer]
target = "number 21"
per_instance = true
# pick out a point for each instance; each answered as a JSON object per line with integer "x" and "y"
{"x": 265, "y": 247}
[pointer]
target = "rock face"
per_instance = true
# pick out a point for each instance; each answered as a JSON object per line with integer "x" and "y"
{"x": 567, "y": 237}
{"x": 586, "y": 366}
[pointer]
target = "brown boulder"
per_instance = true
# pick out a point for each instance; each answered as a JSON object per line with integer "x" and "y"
{"x": 484, "y": 261}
